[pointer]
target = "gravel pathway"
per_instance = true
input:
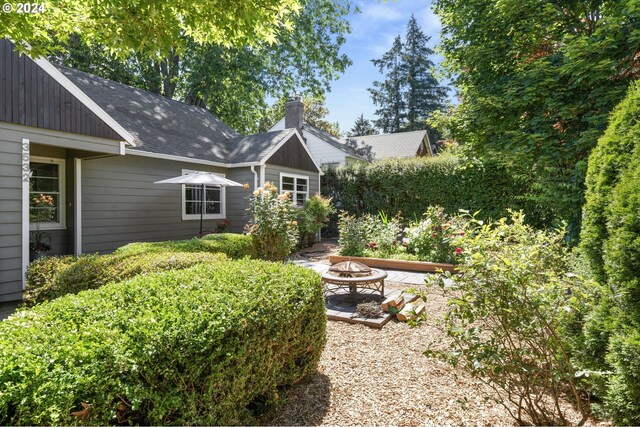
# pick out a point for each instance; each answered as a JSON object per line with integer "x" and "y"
{"x": 380, "y": 377}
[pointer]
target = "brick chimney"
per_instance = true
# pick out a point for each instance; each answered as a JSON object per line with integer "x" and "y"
{"x": 293, "y": 112}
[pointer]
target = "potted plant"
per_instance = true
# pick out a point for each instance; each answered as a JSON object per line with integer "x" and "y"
{"x": 40, "y": 242}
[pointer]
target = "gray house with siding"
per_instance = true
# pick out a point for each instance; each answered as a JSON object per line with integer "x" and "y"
{"x": 96, "y": 147}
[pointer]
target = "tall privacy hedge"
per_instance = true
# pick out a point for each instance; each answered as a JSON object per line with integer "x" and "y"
{"x": 411, "y": 185}
{"x": 610, "y": 242}
{"x": 209, "y": 345}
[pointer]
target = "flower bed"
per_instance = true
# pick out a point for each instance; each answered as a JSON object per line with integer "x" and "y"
{"x": 428, "y": 240}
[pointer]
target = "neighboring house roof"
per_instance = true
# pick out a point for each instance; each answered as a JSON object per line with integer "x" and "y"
{"x": 331, "y": 140}
{"x": 324, "y": 136}
{"x": 391, "y": 145}
{"x": 159, "y": 125}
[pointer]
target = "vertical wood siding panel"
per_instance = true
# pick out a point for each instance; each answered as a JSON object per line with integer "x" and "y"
{"x": 3, "y": 84}
{"x": 22, "y": 102}
{"x": 8, "y": 80}
{"x": 15, "y": 98}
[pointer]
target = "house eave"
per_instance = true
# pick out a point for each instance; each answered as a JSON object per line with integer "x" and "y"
{"x": 141, "y": 153}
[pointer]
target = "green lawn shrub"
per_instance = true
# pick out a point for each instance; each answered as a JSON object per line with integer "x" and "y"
{"x": 610, "y": 245}
{"x": 210, "y": 345}
{"x": 312, "y": 218}
{"x": 411, "y": 185}
{"x": 234, "y": 245}
{"x": 273, "y": 227}
{"x": 506, "y": 312}
{"x": 53, "y": 277}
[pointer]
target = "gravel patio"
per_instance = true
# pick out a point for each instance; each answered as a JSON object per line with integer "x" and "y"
{"x": 379, "y": 377}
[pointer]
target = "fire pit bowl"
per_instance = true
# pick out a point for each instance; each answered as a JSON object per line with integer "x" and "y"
{"x": 344, "y": 279}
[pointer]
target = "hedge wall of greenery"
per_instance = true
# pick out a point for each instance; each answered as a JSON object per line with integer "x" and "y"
{"x": 411, "y": 185}
{"x": 53, "y": 277}
{"x": 232, "y": 244}
{"x": 209, "y": 345}
{"x": 610, "y": 242}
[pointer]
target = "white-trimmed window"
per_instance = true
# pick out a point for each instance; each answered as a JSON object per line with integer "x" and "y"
{"x": 214, "y": 198}
{"x": 46, "y": 193}
{"x": 297, "y": 185}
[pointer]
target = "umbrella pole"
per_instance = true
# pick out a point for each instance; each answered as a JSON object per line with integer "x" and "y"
{"x": 202, "y": 204}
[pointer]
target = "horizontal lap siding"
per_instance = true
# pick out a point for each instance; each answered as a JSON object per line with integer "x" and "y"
{"x": 10, "y": 219}
{"x": 238, "y": 197}
{"x": 272, "y": 174}
{"x": 323, "y": 152}
{"x": 121, "y": 204}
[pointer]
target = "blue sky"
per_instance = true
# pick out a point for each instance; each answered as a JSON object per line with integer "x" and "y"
{"x": 373, "y": 32}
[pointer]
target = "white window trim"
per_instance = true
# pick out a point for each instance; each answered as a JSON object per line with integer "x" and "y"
{"x": 223, "y": 201}
{"x": 62, "y": 206}
{"x": 295, "y": 185}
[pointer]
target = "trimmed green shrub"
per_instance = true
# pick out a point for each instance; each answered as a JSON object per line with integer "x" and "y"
{"x": 609, "y": 334}
{"x": 611, "y": 156}
{"x": 232, "y": 244}
{"x": 312, "y": 218}
{"x": 505, "y": 312}
{"x": 411, "y": 185}
{"x": 58, "y": 276}
{"x": 210, "y": 345}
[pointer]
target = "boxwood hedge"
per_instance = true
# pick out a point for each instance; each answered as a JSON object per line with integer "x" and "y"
{"x": 209, "y": 345}
{"x": 52, "y": 277}
{"x": 234, "y": 245}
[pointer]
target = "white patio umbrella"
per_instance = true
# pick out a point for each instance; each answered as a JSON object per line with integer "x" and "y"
{"x": 203, "y": 179}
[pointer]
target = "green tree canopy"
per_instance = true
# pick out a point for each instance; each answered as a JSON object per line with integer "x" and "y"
{"x": 362, "y": 127}
{"x": 538, "y": 79}
{"x": 151, "y": 27}
{"x": 387, "y": 95}
{"x": 423, "y": 93}
{"x": 409, "y": 93}
{"x": 233, "y": 82}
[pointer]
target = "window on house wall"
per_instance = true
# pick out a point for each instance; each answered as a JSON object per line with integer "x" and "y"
{"x": 297, "y": 185}
{"x": 192, "y": 203}
{"x": 46, "y": 193}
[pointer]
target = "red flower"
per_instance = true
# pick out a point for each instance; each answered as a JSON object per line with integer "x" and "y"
{"x": 458, "y": 251}
{"x": 462, "y": 233}
{"x": 373, "y": 245}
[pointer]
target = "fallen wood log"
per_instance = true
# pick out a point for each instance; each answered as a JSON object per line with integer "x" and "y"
{"x": 411, "y": 311}
{"x": 395, "y": 301}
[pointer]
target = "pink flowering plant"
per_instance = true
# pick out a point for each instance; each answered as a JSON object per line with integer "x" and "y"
{"x": 273, "y": 228}
{"x": 433, "y": 237}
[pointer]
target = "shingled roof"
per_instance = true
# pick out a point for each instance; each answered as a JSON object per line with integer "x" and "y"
{"x": 164, "y": 126}
{"x": 393, "y": 145}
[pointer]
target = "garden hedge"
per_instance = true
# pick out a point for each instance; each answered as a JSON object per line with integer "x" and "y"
{"x": 411, "y": 185}
{"x": 234, "y": 245}
{"x": 209, "y": 345}
{"x": 610, "y": 243}
{"x": 53, "y": 277}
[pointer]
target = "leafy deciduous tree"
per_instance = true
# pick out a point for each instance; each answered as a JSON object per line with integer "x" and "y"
{"x": 537, "y": 80}
{"x": 151, "y": 27}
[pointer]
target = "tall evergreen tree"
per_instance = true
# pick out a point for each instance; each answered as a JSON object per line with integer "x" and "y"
{"x": 362, "y": 127}
{"x": 388, "y": 94}
{"x": 409, "y": 93}
{"x": 423, "y": 94}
